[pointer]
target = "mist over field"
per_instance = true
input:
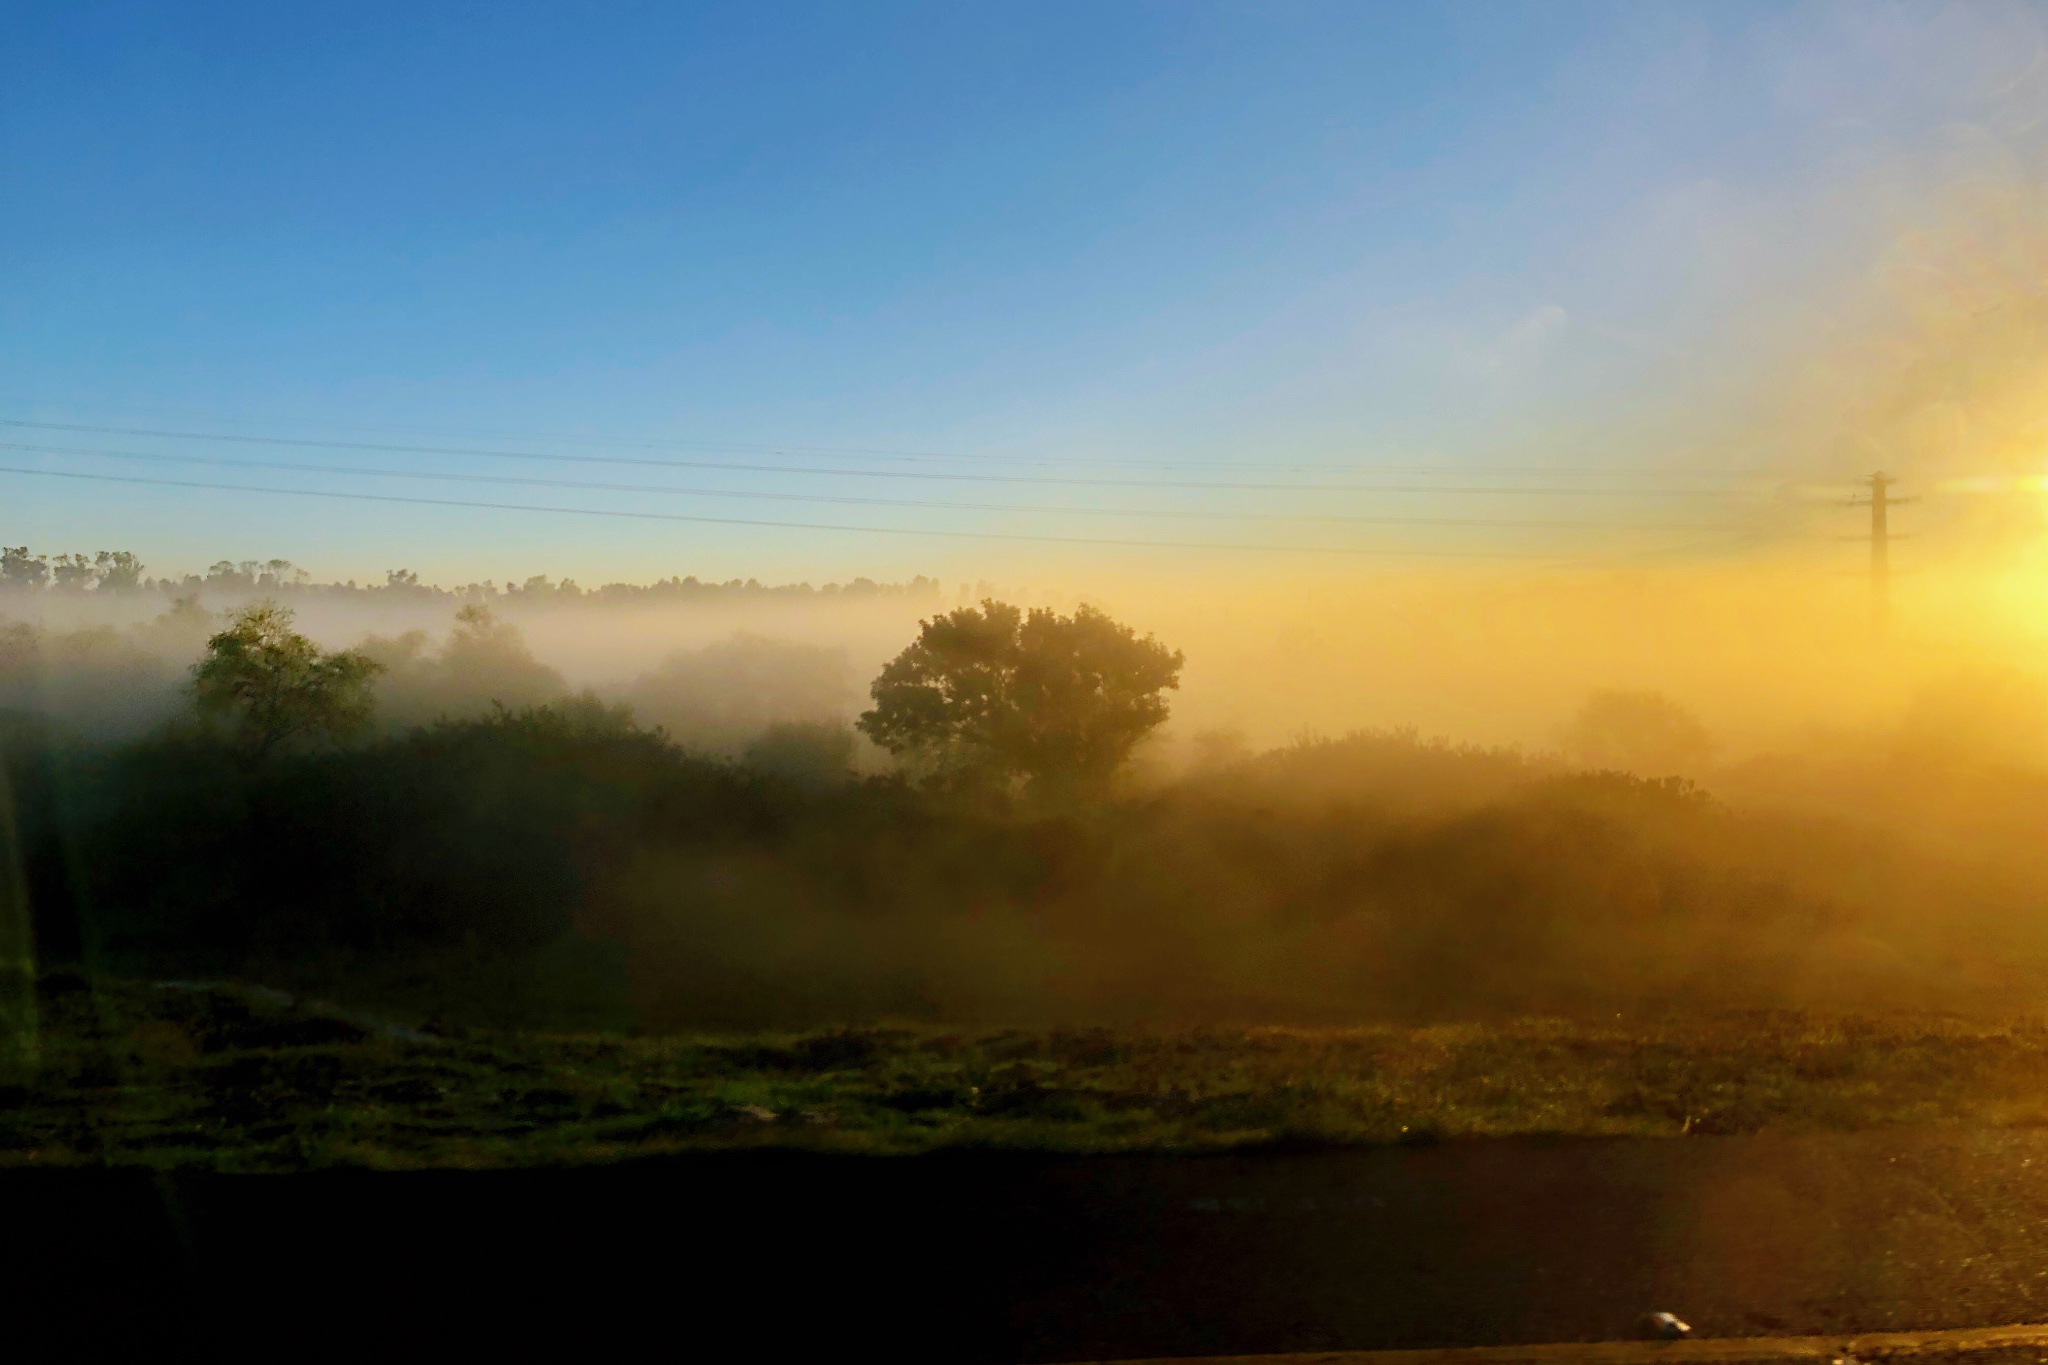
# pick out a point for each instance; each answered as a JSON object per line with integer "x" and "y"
{"x": 1027, "y": 682}
{"x": 1529, "y": 653}
{"x": 1398, "y": 795}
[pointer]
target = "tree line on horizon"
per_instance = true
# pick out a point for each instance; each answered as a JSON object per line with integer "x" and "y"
{"x": 121, "y": 573}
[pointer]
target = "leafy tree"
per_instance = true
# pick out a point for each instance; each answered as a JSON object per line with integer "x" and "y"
{"x": 20, "y": 569}
{"x": 272, "y": 686}
{"x": 73, "y": 573}
{"x": 484, "y": 662}
{"x": 488, "y": 655}
{"x": 996, "y": 694}
{"x": 107, "y": 571}
{"x": 117, "y": 570}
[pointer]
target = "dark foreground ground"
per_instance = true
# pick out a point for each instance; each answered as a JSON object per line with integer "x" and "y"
{"x": 237, "y": 1079}
{"x": 985, "y": 1256}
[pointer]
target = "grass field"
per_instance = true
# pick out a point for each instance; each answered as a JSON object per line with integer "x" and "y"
{"x": 240, "y": 1078}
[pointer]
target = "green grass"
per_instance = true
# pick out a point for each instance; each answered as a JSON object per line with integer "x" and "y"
{"x": 235, "y": 1078}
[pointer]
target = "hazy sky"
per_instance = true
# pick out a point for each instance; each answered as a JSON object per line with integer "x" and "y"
{"x": 1157, "y": 246}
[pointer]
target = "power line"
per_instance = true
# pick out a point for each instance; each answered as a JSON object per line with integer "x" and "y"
{"x": 890, "y": 453}
{"x": 929, "y": 475}
{"x": 842, "y": 500}
{"x": 784, "y": 525}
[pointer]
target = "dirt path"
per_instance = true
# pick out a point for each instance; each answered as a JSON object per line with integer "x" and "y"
{"x": 993, "y": 1258}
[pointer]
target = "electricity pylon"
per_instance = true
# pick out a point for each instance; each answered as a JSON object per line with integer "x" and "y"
{"x": 1880, "y": 502}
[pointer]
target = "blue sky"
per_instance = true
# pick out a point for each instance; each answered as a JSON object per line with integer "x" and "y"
{"x": 1139, "y": 241}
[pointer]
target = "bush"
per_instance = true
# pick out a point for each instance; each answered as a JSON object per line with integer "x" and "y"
{"x": 488, "y": 832}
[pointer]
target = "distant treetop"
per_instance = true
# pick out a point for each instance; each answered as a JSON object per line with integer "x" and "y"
{"x": 107, "y": 571}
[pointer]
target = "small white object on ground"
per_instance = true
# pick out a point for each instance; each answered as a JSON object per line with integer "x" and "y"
{"x": 1664, "y": 1327}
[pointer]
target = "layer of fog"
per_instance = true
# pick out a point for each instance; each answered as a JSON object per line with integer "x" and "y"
{"x": 1884, "y": 773}
{"x": 1767, "y": 659}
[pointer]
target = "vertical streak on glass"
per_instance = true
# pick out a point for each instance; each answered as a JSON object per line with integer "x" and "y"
{"x": 18, "y": 1025}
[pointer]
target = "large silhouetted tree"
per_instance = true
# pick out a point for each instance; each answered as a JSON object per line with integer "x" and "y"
{"x": 997, "y": 694}
{"x": 269, "y": 686}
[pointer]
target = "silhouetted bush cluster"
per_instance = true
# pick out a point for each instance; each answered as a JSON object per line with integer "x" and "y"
{"x": 180, "y": 848}
{"x": 1314, "y": 884}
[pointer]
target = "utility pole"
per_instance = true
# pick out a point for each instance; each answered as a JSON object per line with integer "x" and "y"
{"x": 1880, "y": 502}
